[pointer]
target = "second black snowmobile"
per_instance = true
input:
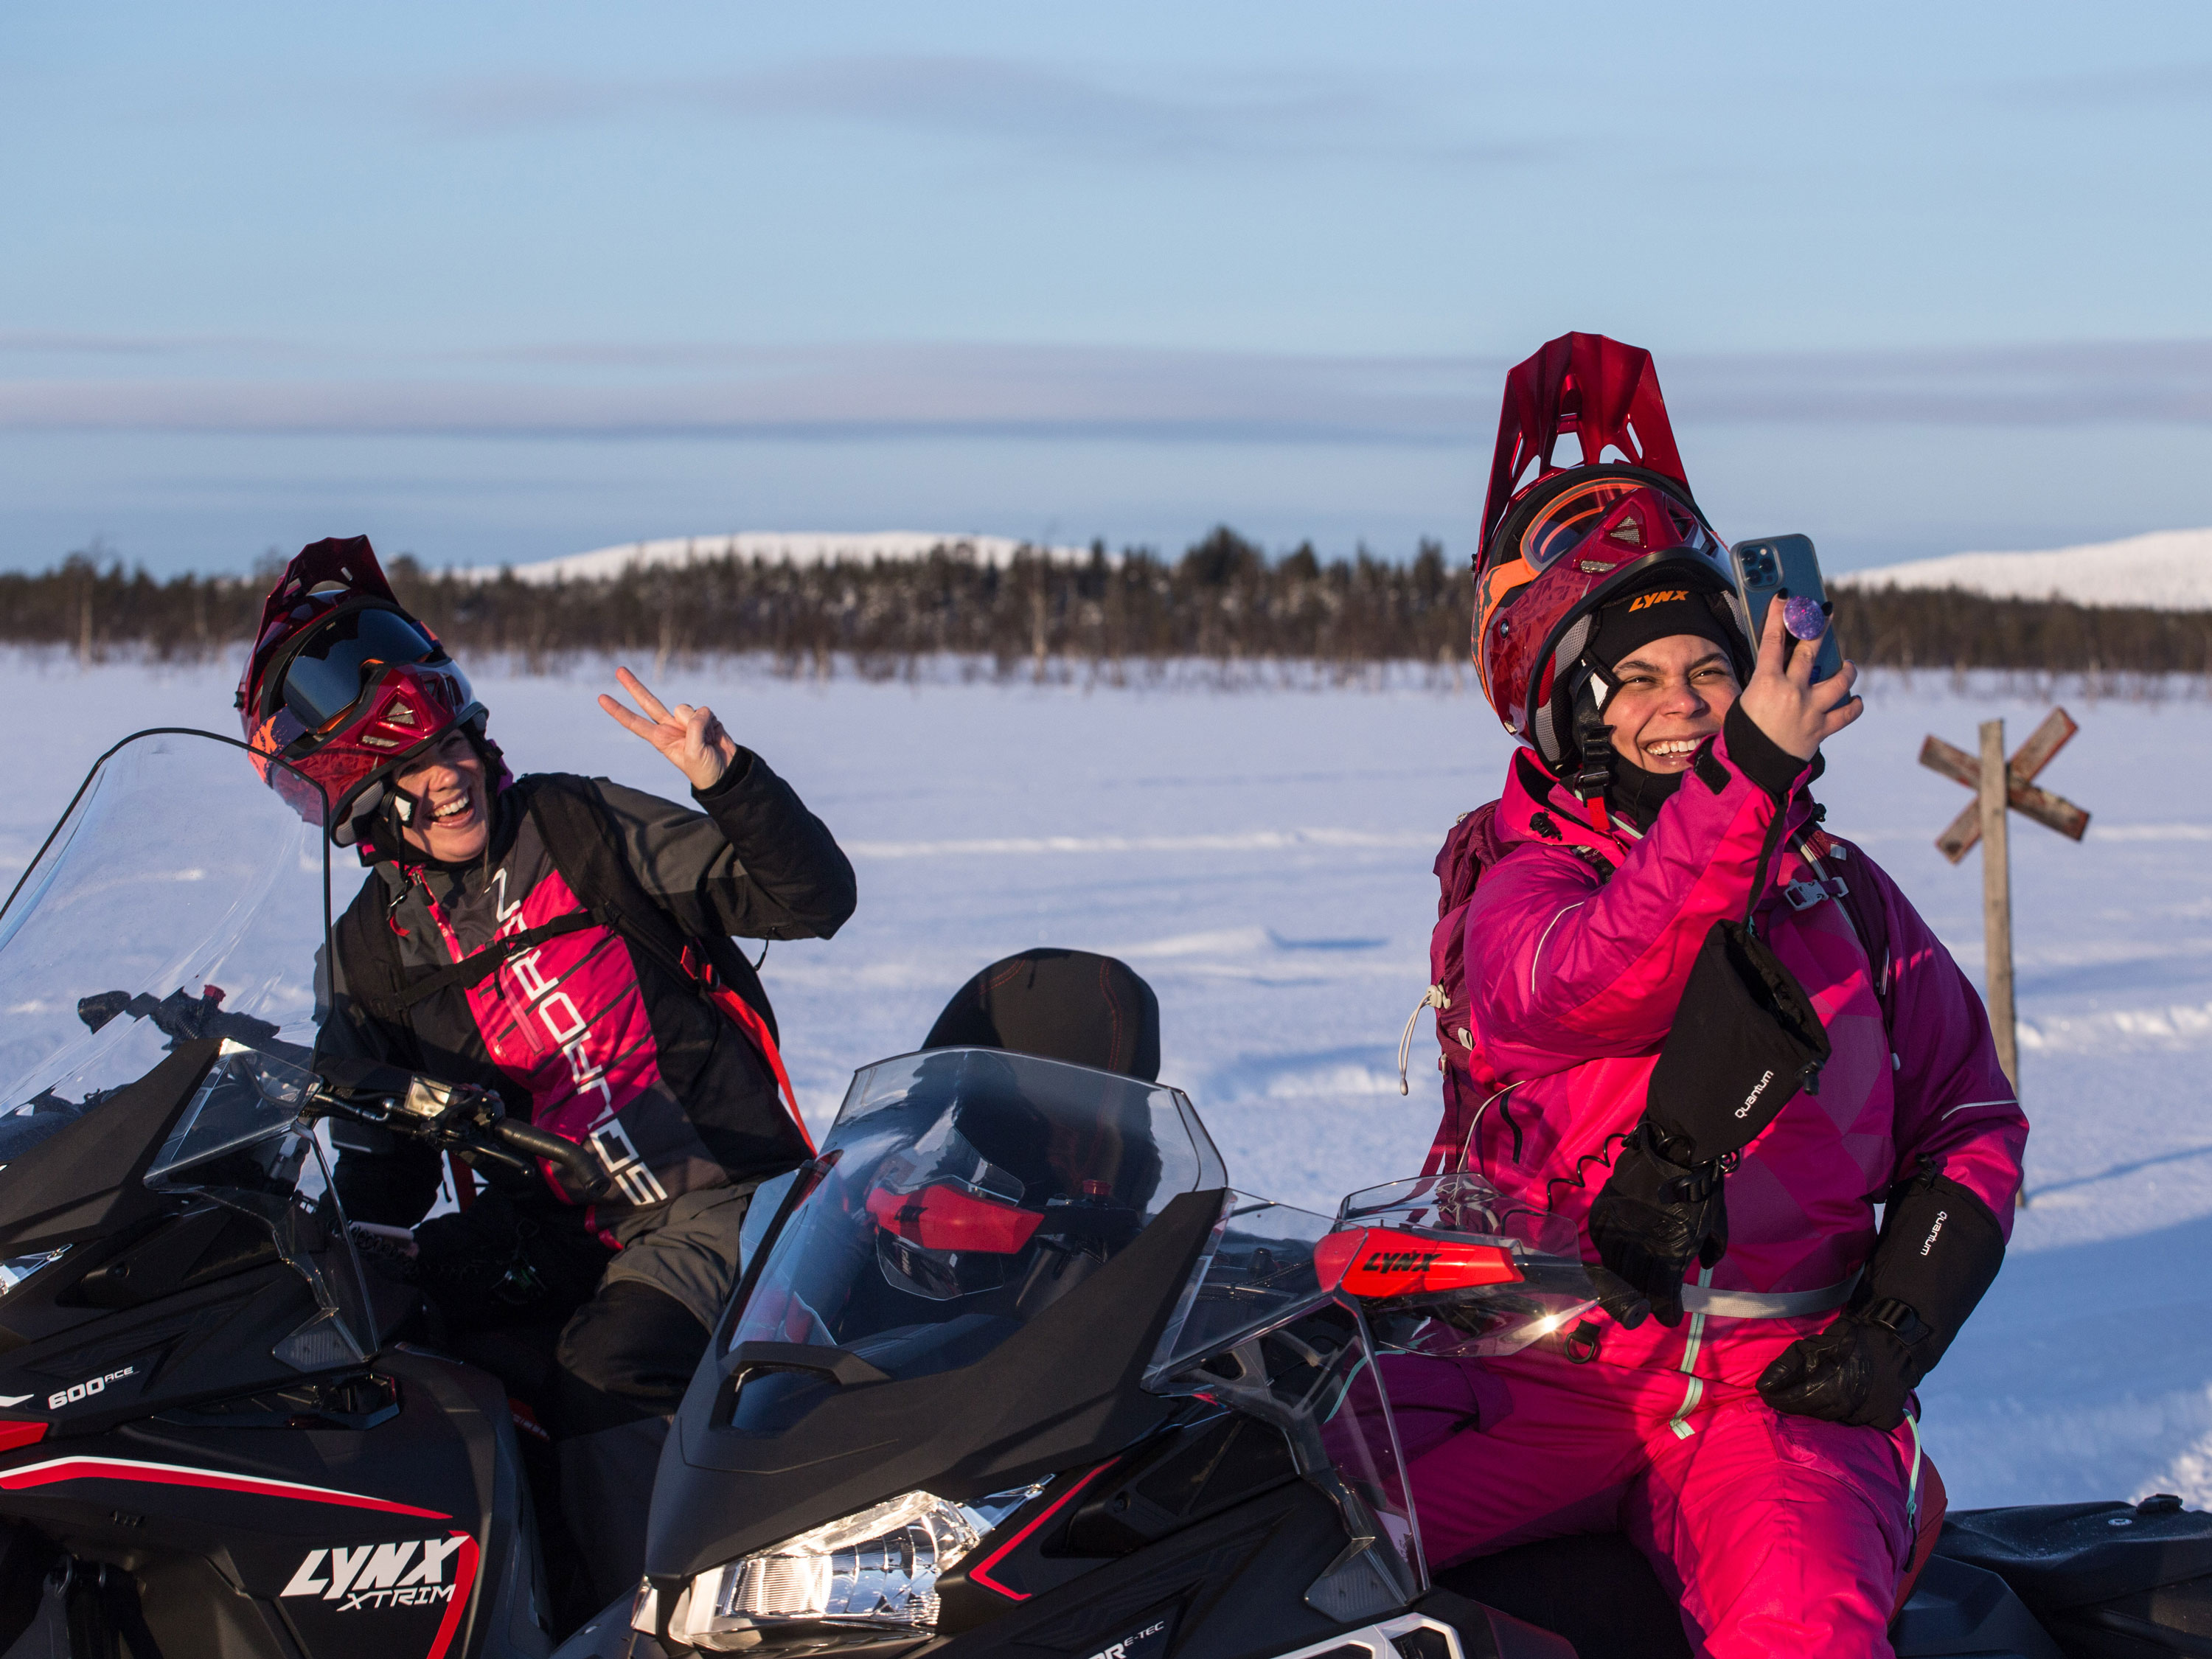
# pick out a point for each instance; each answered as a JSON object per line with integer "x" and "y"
{"x": 1014, "y": 1371}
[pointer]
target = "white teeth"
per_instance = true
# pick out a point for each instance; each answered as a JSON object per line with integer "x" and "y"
{"x": 452, "y": 809}
{"x": 1683, "y": 746}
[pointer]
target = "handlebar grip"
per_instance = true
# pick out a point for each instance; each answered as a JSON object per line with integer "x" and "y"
{"x": 538, "y": 1143}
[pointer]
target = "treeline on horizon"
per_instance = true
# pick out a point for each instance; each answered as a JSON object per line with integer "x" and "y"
{"x": 1224, "y": 600}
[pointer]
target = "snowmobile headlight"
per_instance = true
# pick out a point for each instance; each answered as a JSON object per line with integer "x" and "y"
{"x": 16, "y": 1269}
{"x": 877, "y": 1567}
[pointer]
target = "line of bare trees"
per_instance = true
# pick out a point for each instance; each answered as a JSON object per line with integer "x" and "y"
{"x": 1224, "y": 600}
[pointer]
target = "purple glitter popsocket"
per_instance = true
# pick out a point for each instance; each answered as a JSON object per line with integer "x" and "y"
{"x": 1804, "y": 617}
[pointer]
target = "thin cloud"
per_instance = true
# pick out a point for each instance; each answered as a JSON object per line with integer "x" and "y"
{"x": 2132, "y": 87}
{"x": 2151, "y": 382}
{"x": 851, "y": 392}
{"x": 51, "y": 343}
{"x": 831, "y": 393}
{"x": 992, "y": 99}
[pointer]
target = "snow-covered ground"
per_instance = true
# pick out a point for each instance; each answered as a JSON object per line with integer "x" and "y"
{"x": 1263, "y": 859}
{"x": 2166, "y": 570}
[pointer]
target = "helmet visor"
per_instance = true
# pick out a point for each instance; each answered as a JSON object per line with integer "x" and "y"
{"x": 1561, "y": 523}
{"x": 335, "y": 663}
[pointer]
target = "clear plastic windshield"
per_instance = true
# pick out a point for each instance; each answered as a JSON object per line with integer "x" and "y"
{"x": 180, "y": 900}
{"x": 965, "y": 1191}
{"x": 243, "y": 1142}
{"x": 179, "y": 897}
{"x": 1520, "y": 1276}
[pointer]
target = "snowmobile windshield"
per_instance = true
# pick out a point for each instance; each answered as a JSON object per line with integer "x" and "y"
{"x": 176, "y": 899}
{"x": 960, "y": 1193}
{"x": 177, "y": 902}
{"x": 245, "y": 1141}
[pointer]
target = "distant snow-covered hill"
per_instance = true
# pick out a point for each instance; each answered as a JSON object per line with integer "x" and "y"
{"x": 2166, "y": 570}
{"x": 799, "y": 546}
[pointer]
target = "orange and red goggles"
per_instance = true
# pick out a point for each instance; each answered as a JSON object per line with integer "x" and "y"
{"x": 1581, "y": 538}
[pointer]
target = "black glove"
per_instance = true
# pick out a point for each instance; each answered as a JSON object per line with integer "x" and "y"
{"x": 1657, "y": 1214}
{"x": 1744, "y": 1040}
{"x": 1858, "y": 1371}
{"x": 1939, "y": 1251}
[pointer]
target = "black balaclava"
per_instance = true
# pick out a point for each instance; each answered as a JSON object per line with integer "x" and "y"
{"x": 1662, "y": 610}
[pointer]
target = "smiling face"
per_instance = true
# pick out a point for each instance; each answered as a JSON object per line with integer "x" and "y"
{"x": 451, "y": 818}
{"x": 1673, "y": 695}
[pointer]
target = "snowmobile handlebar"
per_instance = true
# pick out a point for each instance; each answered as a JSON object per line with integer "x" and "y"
{"x": 471, "y": 1121}
{"x": 538, "y": 1143}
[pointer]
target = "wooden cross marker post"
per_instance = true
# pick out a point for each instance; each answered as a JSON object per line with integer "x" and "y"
{"x": 2000, "y": 784}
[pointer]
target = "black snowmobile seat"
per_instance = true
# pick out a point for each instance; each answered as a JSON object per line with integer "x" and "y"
{"x": 1070, "y": 1005}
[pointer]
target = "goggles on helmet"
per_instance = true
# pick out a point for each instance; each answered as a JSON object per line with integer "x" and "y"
{"x": 1535, "y": 634}
{"x": 333, "y": 666}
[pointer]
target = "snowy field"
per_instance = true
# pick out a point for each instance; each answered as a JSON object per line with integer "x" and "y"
{"x": 1263, "y": 859}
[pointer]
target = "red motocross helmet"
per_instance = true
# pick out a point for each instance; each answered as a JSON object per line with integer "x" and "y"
{"x": 1559, "y": 542}
{"x": 345, "y": 685}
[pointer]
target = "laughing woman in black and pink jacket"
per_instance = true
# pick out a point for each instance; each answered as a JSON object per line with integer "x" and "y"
{"x": 616, "y": 1012}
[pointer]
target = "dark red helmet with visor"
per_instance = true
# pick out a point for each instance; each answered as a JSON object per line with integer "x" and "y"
{"x": 1560, "y": 541}
{"x": 345, "y": 685}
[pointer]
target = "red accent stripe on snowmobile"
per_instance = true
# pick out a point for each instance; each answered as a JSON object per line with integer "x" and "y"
{"x": 465, "y": 1582}
{"x": 981, "y": 1573}
{"x": 174, "y": 1474}
{"x": 15, "y": 1436}
{"x": 1383, "y": 1262}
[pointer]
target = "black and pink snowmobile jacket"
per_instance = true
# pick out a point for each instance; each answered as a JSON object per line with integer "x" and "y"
{"x": 583, "y": 968}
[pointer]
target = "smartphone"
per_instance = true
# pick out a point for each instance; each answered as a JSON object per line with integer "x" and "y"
{"x": 1784, "y": 564}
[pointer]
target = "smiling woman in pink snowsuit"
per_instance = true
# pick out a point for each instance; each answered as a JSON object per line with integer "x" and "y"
{"x": 1755, "y": 1436}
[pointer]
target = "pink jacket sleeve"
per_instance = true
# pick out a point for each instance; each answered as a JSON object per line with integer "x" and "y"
{"x": 1954, "y": 1104}
{"x": 1563, "y": 969}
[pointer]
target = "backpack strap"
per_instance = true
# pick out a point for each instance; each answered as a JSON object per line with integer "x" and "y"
{"x": 472, "y": 970}
{"x": 584, "y": 842}
{"x": 1601, "y": 867}
{"x": 375, "y": 977}
{"x": 1869, "y": 918}
{"x": 369, "y": 953}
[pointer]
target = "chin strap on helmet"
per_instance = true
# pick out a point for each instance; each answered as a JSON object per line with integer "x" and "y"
{"x": 354, "y": 829}
{"x": 1594, "y": 751}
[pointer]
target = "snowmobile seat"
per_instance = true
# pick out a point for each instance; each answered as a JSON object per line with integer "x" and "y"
{"x": 1058, "y": 1005}
{"x": 2105, "y": 1578}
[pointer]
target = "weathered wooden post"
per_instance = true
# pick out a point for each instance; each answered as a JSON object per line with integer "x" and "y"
{"x": 2001, "y": 788}
{"x": 1997, "y": 901}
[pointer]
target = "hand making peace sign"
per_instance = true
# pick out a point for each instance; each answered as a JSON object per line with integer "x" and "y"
{"x": 692, "y": 737}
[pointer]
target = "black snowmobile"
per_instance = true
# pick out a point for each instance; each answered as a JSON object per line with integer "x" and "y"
{"x": 211, "y": 1442}
{"x": 1013, "y": 1371}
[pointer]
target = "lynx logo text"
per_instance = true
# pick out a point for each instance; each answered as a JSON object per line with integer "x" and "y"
{"x": 85, "y": 1391}
{"x": 378, "y": 1575}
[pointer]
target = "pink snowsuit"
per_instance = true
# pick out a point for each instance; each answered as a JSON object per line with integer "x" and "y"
{"x": 1779, "y": 1533}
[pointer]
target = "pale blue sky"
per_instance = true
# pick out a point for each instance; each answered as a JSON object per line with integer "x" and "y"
{"x": 499, "y": 282}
